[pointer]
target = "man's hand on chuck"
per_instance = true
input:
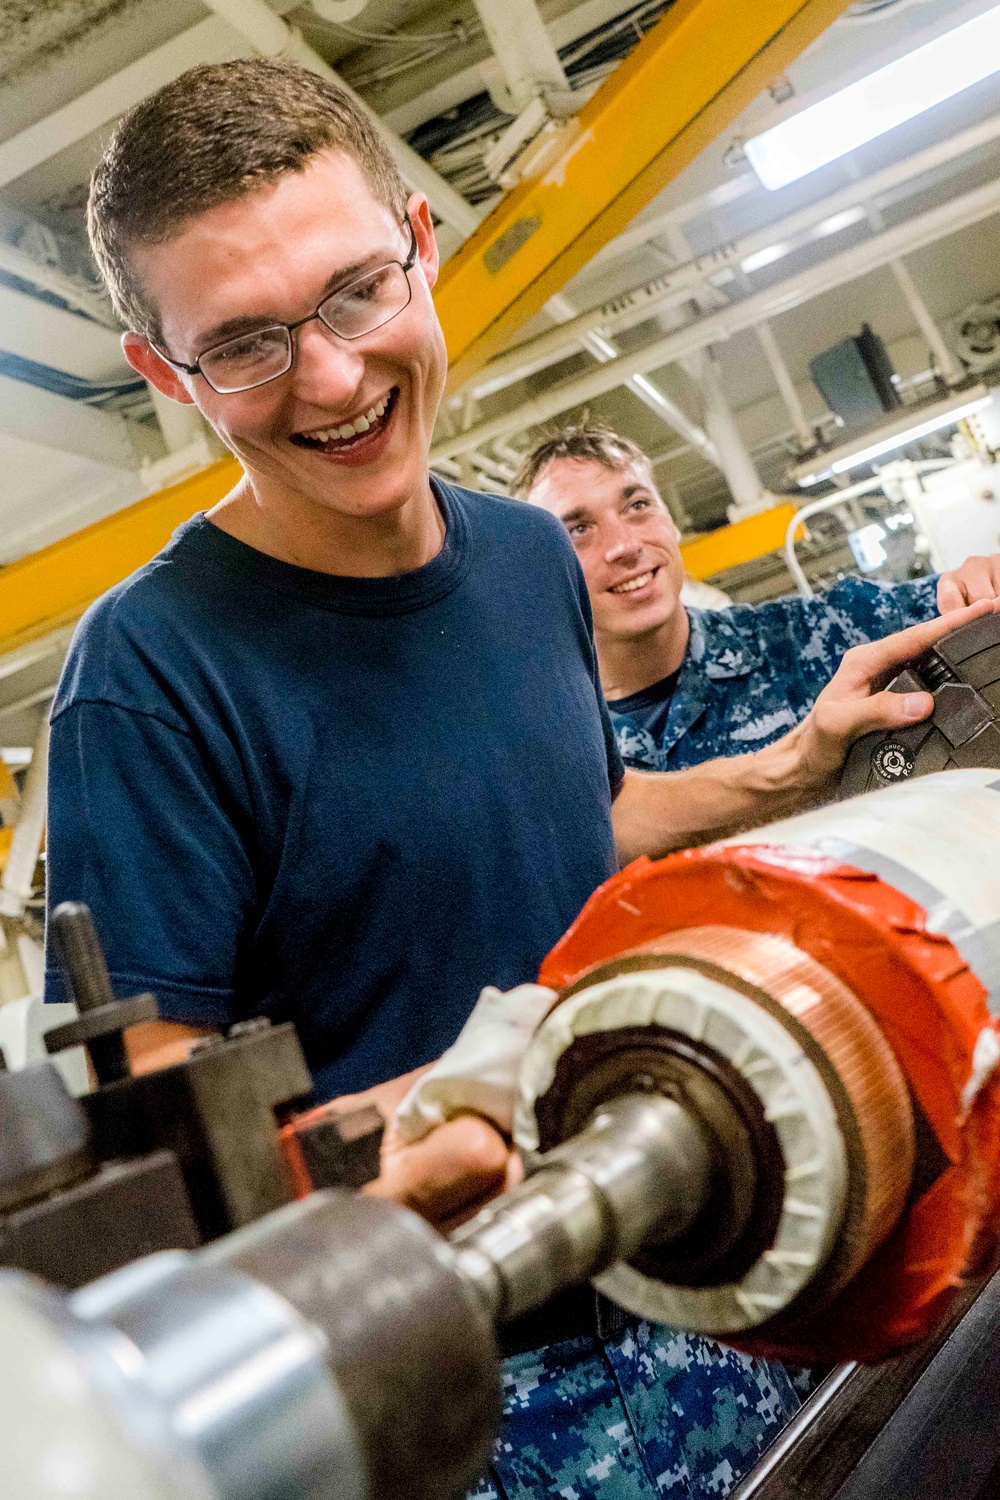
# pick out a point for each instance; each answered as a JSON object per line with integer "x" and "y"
{"x": 856, "y": 701}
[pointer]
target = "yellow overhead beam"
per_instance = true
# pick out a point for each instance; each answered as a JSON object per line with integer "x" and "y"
{"x": 53, "y": 587}
{"x": 684, "y": 84}
{"x": 755, "y": 536}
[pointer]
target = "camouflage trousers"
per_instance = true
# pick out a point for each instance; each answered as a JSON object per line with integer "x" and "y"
{"x": 651, "y": 1413}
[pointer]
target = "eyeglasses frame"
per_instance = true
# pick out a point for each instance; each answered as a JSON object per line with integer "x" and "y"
{"x": 195, "y": 369}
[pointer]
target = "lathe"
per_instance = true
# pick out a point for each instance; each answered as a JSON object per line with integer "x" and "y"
{"x": 765, "y": 1106}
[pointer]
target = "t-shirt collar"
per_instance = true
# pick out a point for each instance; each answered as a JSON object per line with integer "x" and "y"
{"x": 200, "y": 540}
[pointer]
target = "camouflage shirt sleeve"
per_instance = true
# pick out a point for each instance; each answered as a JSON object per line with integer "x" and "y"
{"x": 854, "y": 611}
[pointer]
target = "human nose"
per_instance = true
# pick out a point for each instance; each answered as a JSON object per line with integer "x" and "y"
{"x": 622, "y": 544}
{"x": 327, "y": 370}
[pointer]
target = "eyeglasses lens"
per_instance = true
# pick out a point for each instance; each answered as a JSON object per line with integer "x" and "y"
{"x": 248, "y": 361}
{"x": 367, "y": 303}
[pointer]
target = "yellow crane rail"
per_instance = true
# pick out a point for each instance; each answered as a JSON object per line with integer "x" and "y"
{"x": 684, "y": 84}
{"x": 53, "y": 587}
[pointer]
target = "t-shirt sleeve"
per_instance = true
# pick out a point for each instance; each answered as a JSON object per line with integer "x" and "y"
{"x": 616, "y": 766}
{"x": 139, "y": 831}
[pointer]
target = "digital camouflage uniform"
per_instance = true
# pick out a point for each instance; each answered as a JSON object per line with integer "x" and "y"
{"x": 649, "y": 1413}
{"x": 753, "y": 671}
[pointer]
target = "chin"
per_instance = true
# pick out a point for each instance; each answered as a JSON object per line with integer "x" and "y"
{"x": 639, "y": 623}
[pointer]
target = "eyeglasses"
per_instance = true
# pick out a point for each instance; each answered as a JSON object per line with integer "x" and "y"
{"x": 350, "y": 312}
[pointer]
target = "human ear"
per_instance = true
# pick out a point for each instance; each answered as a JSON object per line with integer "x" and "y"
{"x": 153, "y": 367}
{"x": 423, "y": 228}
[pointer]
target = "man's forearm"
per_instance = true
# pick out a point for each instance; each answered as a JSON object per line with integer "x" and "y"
{"x": 658, "y": 812}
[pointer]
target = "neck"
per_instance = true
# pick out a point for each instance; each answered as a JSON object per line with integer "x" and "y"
{"x": 628, "y": 666}
{"x": 296, "y": 529}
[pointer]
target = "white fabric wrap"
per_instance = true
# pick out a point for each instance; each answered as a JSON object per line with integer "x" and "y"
{"x": 479, "y": 1071}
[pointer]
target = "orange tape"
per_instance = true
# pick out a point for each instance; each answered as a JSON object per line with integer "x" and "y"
{"x": 931, "y": 1009}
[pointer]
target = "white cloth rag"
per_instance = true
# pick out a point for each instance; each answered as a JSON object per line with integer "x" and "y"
{"x": 479, "y": 1071}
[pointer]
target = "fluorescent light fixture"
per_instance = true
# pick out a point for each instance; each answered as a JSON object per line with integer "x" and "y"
{"x": 886, "y": 98}
{"x": 900, "y": 433}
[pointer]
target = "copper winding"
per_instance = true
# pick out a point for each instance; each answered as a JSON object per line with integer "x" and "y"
{"x": 845, "y": 1041}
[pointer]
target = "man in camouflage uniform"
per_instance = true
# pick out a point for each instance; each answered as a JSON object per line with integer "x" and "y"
{"x": 690, "y": 685}
{"x": 652, "y": 1408}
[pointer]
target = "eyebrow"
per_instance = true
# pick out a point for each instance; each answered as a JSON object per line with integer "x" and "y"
{"x": 579, "y": 514}
{"x": 233, "y": 327}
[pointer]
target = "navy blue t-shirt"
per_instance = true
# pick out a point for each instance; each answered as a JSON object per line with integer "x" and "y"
{"x": 345, "y": 802}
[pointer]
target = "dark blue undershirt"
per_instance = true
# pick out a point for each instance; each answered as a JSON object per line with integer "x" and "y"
{"x": 648, "y": 708}
{"x": 346, "y": 802}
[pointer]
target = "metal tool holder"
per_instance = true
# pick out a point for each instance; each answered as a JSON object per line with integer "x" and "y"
{"x": 163, "y": 1160}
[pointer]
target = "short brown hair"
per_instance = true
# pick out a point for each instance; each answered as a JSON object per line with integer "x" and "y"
{"x": 594, "y": 442}
{"x": 206, "y": 138}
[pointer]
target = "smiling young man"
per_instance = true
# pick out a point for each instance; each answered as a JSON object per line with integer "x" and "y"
{"x": 302, "y": 763}
{"x": 688, "y": 685}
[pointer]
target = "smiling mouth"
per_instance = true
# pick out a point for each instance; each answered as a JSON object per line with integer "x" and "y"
{"x": 342, "y": 437}
{"x": 632, "y": 585}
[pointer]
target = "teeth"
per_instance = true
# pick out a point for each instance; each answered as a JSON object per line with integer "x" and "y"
{"x": 351, "y": 429}
{"x": 632, "y": 584}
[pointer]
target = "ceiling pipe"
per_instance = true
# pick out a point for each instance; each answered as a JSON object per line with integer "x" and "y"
{"x": 88, "y": 300}
{"x": 45, "y": 334}
{"x": 945, "y": 363}
{"x": 523, "y": 50}
{"x": 33, "y": 415}
{"x": 675, "y": 286}
{"x": 595, "y": 342}
{"x": 268, "y": 34}
{"x": 936, "y": 224}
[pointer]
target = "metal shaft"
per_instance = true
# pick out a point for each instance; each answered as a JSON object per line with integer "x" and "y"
{"x": 640, "y": 1170}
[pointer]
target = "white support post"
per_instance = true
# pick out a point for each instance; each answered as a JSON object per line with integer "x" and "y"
{"x": 783, "y": 380}
{"x": 947, "y": 365}
{"x": 466, "y": 466}
{"x": 749, "y": 494}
